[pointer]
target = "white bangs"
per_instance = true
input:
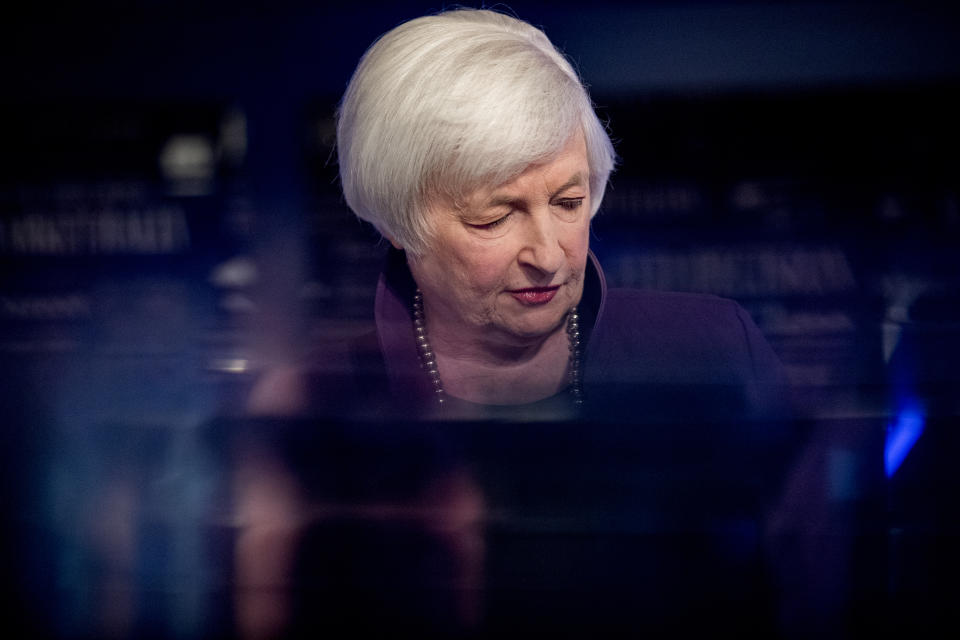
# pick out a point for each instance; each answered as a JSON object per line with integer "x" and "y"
{"x": 443, "y": 105}
{"x": 489, "y": 130}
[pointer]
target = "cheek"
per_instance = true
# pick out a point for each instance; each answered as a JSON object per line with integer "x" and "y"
{"x": 486, "y": 270}
{"x": 578, "y": 243}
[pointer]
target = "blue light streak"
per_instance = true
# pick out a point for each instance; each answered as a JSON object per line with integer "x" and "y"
{"x": 902, "y": 434}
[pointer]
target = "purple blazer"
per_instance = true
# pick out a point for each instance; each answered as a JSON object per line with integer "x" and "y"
{"x": 648, "y": 356}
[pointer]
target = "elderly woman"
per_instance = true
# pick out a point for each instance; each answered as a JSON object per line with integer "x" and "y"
{"x": 470, "y": 143}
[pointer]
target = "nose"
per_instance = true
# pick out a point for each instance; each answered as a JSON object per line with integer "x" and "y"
{"x": 541, "y": 250}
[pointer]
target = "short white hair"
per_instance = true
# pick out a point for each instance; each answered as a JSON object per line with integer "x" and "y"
{"x": 444, "y": 104}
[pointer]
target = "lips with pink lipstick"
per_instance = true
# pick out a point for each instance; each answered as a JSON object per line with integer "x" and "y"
{"x": 534, "y": 296}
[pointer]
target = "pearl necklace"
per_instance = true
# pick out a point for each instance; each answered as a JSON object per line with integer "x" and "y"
{"x": 428, "y": 359}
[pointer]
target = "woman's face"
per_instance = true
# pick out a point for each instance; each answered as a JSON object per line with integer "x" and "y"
{"x": 509, "y": 264}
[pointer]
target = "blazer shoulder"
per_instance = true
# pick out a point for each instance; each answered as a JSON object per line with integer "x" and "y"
{"x": 698, "y": 342}
{"x": 664, "y": 316}
{"x": 678, "y": 336}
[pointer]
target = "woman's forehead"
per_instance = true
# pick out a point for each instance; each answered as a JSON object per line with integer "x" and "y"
{"x": 566, "y": 168}
{"x": 569, "y": 168}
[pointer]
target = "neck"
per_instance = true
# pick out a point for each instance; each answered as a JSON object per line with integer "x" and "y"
{"x": 505, "y": 371}
{"x": 506, "y": 375}
{"x": 493, "y": 351}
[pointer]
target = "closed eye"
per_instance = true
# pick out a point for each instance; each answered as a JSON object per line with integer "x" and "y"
{"x": 570, "y": 204}
{"x": 492, "y": 225}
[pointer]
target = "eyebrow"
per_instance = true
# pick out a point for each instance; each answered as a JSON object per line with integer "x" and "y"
{"x": 578, "y": 179}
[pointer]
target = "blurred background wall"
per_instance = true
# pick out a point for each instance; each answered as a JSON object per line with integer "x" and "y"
{"x": 171, "y": 225}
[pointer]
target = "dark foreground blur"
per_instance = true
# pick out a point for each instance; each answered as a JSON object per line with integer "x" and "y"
{"x": 267, "y": 527}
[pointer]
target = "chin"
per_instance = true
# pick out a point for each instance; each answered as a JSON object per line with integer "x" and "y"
{"x": 542, "y": 323}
